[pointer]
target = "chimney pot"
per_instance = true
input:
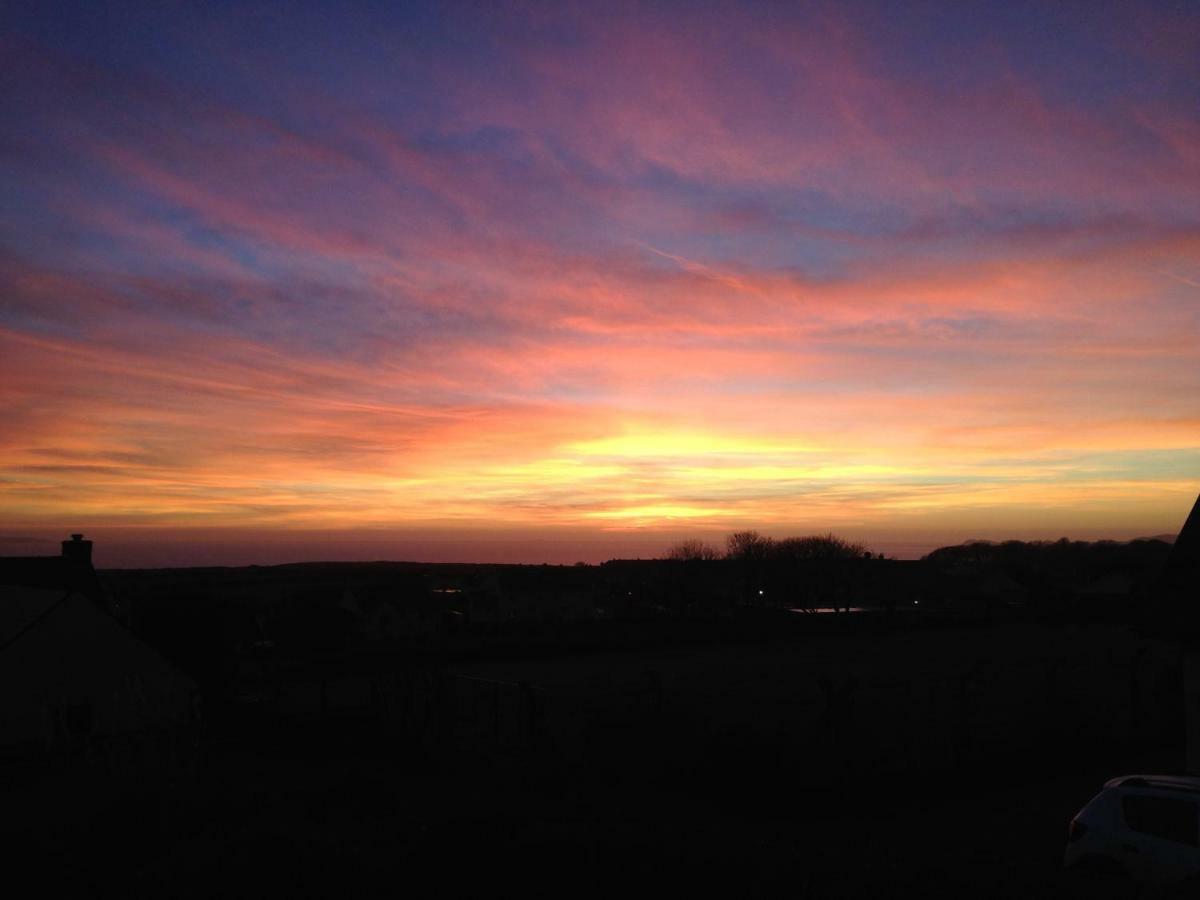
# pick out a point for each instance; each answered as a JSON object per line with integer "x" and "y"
{"x": 77, "y": 550}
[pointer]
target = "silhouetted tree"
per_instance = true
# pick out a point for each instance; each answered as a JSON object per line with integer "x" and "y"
{"x": 749, "y": 550}
{"x": 693, "y": 549}
{"x": 817, "y": 570}
{"x": 817, "y": 546}
{"x": 747, "y": 545}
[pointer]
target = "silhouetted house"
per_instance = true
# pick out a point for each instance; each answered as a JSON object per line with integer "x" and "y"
{"x": 1184, "y": 561}
{"x": 1181, "y": 585}
{"x": 995, "y": 590}
{"x": 519, "y": 593}
{"x": 634, "y": 588}
{"x": 392, "y": 613}
{"x": 73, "y": 680}
{"x": 902, "y": 584}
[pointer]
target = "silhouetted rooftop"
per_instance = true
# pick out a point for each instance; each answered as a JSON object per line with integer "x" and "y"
{"x": 70, "y": 571}
{"x": 1186, "y": 552}
{"x": 48, "y": 572}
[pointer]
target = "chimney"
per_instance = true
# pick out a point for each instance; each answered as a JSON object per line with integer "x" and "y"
{"x": 77, "y": 551}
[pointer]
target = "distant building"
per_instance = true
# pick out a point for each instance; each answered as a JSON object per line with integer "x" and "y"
{"x": 73, "y": 680}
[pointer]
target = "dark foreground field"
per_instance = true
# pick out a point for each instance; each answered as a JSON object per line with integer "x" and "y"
{"x": 331, "y": 819}
{"x": 855, "y": 762}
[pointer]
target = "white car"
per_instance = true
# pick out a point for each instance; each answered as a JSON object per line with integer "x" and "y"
{"x": 1143, "y": 826}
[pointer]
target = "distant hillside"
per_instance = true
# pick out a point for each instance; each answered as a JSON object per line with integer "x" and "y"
{"x": 1165, "y": 538}
{"x": 1060, "y": 561}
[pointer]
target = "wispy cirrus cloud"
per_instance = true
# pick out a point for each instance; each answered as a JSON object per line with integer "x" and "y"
{"x": 581, "y": 272}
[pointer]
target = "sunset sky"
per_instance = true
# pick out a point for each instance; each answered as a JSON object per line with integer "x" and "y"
{"x": 551, "y": 282}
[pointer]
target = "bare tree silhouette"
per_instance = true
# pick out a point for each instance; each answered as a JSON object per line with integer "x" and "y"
{"x": 817, "y": 546}
{"x": 748, "y": 545}
{"x": 693, "y": 549}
